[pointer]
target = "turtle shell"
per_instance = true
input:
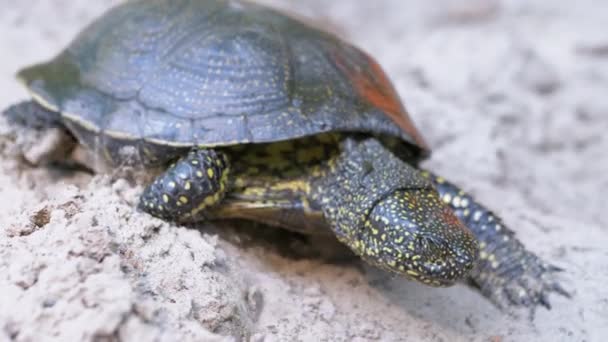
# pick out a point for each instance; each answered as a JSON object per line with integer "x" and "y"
{"x": 180, "y": 73}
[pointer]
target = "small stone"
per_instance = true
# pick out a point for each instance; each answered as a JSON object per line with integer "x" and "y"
{"x": 41, "y": 217}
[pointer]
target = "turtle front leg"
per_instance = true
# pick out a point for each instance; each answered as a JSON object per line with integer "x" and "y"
{"x": 193, "y": 184}
{"x": 507, "y": 273}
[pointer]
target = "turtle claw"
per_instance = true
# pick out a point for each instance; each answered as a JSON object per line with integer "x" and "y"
{"x": 552, "y": 268}
{"x": 544, "y": 301}
{"x": 525, "y": 285}
{"x": 560, "y": 289}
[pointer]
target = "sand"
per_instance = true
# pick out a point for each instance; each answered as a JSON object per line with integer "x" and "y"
{"x": 511, "y": 95}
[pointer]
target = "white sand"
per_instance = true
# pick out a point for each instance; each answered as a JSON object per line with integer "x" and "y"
{"x": 510, "y": 94}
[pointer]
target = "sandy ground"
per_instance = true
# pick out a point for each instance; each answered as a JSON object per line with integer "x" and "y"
{"x": 510, "y": 94}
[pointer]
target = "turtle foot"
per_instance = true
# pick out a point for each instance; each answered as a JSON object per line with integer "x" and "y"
{"x": 506, "y": 272}
{"x": 194, "y": 183}
{"x": 523, "y": 282}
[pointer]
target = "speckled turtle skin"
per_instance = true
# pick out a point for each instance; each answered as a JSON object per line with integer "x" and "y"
{"x": 261, "y": 117}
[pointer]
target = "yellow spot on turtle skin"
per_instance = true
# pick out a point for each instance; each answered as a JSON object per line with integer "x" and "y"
{"x": 211, "y": 199}
{"x": 199, "y": 174}
{"x": 305, "y": 204}
{"x": 399, "y": 239}
{"x": 447, "y": 198}
{"x": 160, "y": 207}
{"x": 294, "y": 185}
{"x": 183, "y": 199}
{"x": 210, "y": 172}
{"x": 187, "y": 185}
{"x": 208, "y": 201}
{"x": 412, "y": 273}
{"x": 172, "y": 185}
{"x": 439, "y": 180}
{"x": 165, "y": 198}
{"x": 194, "y": 162}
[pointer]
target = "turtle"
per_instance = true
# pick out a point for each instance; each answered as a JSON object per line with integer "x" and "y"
{"x": 255, "y": 114}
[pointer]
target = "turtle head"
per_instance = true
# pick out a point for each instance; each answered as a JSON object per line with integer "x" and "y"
{"x": 411, "y": 232}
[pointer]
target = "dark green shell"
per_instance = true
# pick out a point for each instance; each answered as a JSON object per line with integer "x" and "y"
{"x": 179, "y": 73}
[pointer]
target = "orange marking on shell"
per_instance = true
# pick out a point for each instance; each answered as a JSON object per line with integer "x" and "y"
{"x": 449, "y": 219}
{"x": 372, "y": 84}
